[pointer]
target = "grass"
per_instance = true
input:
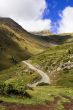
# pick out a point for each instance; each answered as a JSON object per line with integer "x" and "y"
{"x": 10, "y": 49}
{"x": 19, "y": 76}
{"x": 2, "y": 108}
{"x": 16, "y": 44}
{"x": 66, "y": 78}
{"x": 41, "y": 95}
{"x": 53, "y": 58}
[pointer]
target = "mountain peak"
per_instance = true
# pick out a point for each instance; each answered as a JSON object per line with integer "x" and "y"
{"x": 43, "y": 33}
{"x": 10, "y": 22}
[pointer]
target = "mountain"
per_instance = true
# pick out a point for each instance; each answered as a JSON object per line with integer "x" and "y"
{"x": 36, "y": 39}
{"x": 16, "y": 44}
{"x": 49, "y": 55}
{"x": 43, "y": 33}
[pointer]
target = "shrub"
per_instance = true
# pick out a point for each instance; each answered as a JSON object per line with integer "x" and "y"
{"x": 10, "y": 90}
{"x": 13, "y": 60}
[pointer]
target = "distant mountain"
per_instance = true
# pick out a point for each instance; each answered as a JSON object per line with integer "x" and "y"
{"x": 43, "y": 33}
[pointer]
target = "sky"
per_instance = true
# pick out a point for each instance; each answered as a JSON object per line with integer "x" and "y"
{"x": 37, "y": 15}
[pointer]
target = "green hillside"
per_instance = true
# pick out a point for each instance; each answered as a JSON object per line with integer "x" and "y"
{"x": 10, "y": 51}
{"x": 57, "y": 62}
{"x": 53, "y": 54}
{"x": 19, "y": 76}
{"x": 16, "y": 44}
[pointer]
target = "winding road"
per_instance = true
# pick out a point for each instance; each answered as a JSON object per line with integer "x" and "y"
{"x": 45, "y": 78}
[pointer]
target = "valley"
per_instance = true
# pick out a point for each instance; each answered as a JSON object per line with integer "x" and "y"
{"x": 36, "y": 69}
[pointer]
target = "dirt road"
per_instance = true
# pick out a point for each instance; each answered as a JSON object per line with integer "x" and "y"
{"x": 45, "y": 78}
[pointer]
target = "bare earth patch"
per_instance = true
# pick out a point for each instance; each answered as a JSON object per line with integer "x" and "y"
{"x": 51, "y": 105}
{"x": 68, "y": 105}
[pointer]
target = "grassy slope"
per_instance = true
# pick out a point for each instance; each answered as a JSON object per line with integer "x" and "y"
{"x": 52, "y": 59}
{"x": 9, "y": 48}
{"x": 16, "y": 43}
{"x": 2, "y": 107}
{"x": 10, "y": 42}
{"x": 19, "y": 76}
{"x": 42, "y": 95}
{"x": 48, "y": 61}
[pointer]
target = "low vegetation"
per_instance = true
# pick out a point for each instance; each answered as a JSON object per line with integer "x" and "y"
{"x": 2, "y": 108}
{"x": 16, "y": 44}
{"x": 57, "y": 62}
{"x": 15, "y": 80}
{"x": 42, "y": 95}
{"x": 52, "y": 54}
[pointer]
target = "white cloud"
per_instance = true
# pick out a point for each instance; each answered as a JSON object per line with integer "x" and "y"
{"x": 36, "y": 25}
{"x": 26, "y": 12}
{"x": 66, "y": 22}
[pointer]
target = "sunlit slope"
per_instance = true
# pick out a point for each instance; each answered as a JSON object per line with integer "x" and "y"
{"x": 10, "y": 50}
{"x": 43, "y": 33}
{"x": 18, "y": 75}
{"x": 57, "y": 62}
{"x": 15, "y": 28}
{"x": 16, "y": 44}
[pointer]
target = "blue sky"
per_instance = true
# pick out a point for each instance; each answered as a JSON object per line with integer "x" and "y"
{"x": 54, "y": 8}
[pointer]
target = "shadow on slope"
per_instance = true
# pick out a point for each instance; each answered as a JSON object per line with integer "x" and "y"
{"x": 54, "y": 39}
{"x": 10, "y": 52}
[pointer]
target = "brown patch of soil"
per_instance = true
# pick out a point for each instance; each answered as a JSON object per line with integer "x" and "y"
{"x": 51, "y": 105}
{"x": 68, "y": 105}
